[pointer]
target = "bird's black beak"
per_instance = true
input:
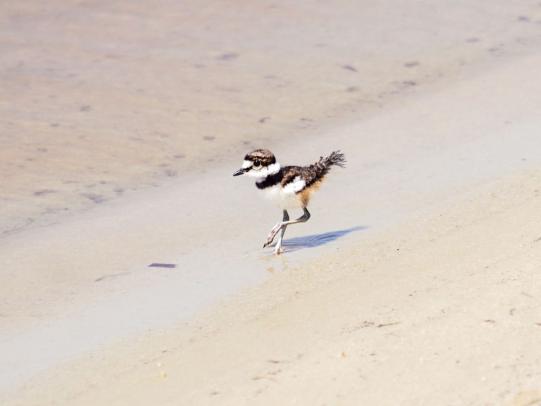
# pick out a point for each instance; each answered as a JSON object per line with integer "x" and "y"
{"x": 239, "y": 172}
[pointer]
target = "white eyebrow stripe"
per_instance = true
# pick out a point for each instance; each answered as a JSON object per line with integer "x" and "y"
{"x": 247, "y": 164}
{"x": 273, "y": 169}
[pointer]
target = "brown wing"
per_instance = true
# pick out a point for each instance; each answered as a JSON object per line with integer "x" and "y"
{"x": 313, "y": 174}
{"x": 289, "y": 174}
{"x": 309, "y": 174}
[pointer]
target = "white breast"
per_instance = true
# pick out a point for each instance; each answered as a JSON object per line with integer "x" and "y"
{"x": 285, "y": 197}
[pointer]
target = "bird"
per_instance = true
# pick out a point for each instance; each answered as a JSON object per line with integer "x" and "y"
{"x": 290, "y": 187}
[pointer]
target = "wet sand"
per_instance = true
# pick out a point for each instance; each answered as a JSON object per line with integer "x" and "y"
{"x": 420, "y": 275}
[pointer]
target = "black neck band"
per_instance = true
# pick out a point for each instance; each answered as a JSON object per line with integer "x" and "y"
{"x": 270, "y": 180}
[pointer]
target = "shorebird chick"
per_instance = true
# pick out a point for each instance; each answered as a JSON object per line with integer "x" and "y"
{"x": 289, "y": 186}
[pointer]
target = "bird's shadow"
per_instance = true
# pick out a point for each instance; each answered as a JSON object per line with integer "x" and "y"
{"x": 316, "y": 240}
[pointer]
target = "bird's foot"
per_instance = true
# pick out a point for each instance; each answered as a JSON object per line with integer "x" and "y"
{"x": 278, "y": 250}
{"x": 272, "y": 234}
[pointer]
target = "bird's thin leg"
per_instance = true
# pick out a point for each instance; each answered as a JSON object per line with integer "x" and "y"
{"x": 302, "y": 219}
{"x": 275, "y": 229}
{"x": 278, "y": 248}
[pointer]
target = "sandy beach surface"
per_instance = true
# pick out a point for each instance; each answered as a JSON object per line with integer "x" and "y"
{"x": 415, "y": 282}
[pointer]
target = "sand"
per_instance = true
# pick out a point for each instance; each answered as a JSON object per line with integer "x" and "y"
{"x": 433, "y": 312}
{"x": 100, "y": 99}
{"x": 413, "y": 283}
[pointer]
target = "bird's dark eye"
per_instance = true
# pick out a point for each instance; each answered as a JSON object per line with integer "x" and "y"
{"x": 257, "y": 163}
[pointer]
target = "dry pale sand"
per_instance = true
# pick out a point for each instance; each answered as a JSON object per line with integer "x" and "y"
{"x": 416, "y": 280}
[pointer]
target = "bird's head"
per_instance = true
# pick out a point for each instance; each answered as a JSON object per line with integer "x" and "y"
{"x": 259, "y": 163}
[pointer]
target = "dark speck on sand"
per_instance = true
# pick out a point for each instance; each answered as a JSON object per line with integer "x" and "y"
{"x": 170, "y": 173}
{"x": 94, "y": 197}
{"x": 161, "y": 265}
{"x": 228, "y": 56}
{"x": 409, "y": 83}
{"x": 43, "y": 192}
{"x": 411, "y": 64}
{"x": 350, "y": 68}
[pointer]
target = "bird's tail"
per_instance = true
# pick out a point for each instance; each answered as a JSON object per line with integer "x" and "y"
{"x": 323, "y": 166}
